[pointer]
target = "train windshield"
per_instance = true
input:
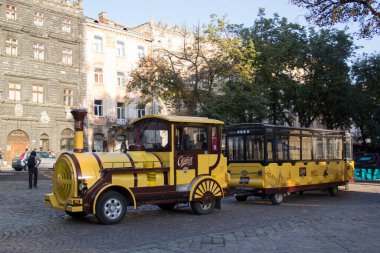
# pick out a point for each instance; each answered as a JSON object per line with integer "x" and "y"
{"x": 153, "y": 134}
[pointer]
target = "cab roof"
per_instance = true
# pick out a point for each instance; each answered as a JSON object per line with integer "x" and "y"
{"x": 180, "y": 119}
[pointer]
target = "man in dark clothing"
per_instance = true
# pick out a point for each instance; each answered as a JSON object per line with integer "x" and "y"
{"x": 32, "y": 163}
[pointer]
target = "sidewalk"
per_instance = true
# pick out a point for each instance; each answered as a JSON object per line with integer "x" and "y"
{"x": 6, "y": 168}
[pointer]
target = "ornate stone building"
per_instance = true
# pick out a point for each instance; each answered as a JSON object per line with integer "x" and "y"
{"x": 112, "y": 51}
{"x": 41, "y": 73}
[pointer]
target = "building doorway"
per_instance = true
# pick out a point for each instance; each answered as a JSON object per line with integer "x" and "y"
{"x": 17, "y": 142}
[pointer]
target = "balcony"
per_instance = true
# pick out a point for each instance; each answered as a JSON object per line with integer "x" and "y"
{"x": 121, "y": 121}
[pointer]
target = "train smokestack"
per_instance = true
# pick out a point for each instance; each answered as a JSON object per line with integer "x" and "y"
{"x": 79, "y": 115}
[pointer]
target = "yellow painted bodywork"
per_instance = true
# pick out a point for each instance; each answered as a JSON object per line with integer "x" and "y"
{"x": 72, "y": 169}
{"x": 287, "y": 175}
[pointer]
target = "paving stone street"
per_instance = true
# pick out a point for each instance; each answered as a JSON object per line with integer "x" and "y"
{"x": 313, "y": 222}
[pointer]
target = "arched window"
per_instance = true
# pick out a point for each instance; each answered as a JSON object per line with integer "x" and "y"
{"x": 98, "y": 142}
{"x": 67, "y": 140}
{"x": 44, "y": 142}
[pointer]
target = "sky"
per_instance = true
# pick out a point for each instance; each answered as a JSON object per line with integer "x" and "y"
{"x": 132, "y": 13}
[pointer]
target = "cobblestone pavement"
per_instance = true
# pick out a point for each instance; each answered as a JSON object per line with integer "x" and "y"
{"x": 313, "y": 222}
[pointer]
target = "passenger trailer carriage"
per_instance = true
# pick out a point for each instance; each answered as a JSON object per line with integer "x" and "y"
{"x": 271, "y": 161}
{"x": 174, "y": 160}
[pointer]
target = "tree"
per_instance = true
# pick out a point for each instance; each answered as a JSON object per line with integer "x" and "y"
{"x": 280, "y": 46}
{"x": 366, "y": 96}
{"x": 184, "y": 78}
{"x": 239, "y": 99}
{"x": 326, "y": 80}
{"x": 330, "y": 12}
{"x": 213, "y": 64}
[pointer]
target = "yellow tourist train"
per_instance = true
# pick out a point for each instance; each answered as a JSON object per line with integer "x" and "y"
{"x": 179, "y": 160}
{"x": 272, "y": 161}
{"x": 175, "y": 160}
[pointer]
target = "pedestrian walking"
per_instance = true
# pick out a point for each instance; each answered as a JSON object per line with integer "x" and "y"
{"x": 33, "y": 162}
{"x": 24, "y": 158}
{"x": 1, "y": 159}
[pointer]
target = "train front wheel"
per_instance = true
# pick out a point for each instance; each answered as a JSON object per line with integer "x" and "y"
{"x": 110, "y": 208}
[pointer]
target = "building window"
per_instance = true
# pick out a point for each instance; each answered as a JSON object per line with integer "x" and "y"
{"x": 68, "y": 97}
{"x": 38, "y": 94}
{"x": 67, "y": 56}
{"x": 67, "y": 140}
{"x": 120, "y": 79}
{"x": 98, "y": 108}
{"x": 120, "y": 48}
{"x": 66, "y": 25}
{"x": 98, "y": 75}
{"x": 14, "y": 91}
{"x": 120, "y": 111}
{"x": 98, "y": 44}
{"x": 11, "y": 12}
{"x": 11, "y": 47}
{"x": 140, "y": 52}
{"x": 39, "y": 19}
{"x": 98, "y": 142}
{"x": 39, "y": 51}
{"x": 140, "y": 113}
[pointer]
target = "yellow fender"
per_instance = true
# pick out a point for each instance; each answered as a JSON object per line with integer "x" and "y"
{"x": 217, "y": 190}
{"x": 105, "y": 188}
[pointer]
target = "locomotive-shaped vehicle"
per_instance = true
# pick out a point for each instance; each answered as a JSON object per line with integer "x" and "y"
{"x": 175, "y": 160}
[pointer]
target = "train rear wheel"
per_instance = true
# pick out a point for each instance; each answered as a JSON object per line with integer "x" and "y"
{"x": 110, "y": 208}
{"x": 277, "y": 198}
{"x": 202, "y": 208}
{"x": 333, "y": 191}
{"x": 241, "y": 198}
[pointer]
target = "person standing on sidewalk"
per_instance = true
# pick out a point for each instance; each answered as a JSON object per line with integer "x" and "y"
{"x": 33, "y": 162}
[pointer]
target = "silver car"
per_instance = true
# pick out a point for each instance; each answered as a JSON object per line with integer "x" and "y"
{"x": 47, "y": 161}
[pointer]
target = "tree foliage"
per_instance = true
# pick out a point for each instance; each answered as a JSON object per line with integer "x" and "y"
{"x": 366, "y": 96}
{"x": 330, "y": 12}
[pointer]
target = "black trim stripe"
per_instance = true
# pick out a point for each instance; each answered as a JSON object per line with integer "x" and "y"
{"x": 215, "y": 165}
{"x": 98, "y": 160}
{"x": 130, "y": 159}
{"x": 135, "y": 179}
{"x": 76, "y": 163}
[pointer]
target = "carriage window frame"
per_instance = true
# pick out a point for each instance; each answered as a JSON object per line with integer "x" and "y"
{"x": 179, "y": 139}
{"x": 144, "y": 125}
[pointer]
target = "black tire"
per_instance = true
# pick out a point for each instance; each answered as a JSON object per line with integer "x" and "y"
{"x": 201, "y": 208}
{"x": 277, "y": 198}
{"x": 169, "y": 206}
{"x": 18, "y": 169}
{"x": 241, "y": 198}
{"x": 110, "y": 208}
{"x": 76, "y": 215}
{"x": 333, "y": 191}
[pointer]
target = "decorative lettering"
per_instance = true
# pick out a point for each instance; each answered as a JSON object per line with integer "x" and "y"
{"x": 367, "y": 174}
{"x": 184, "y": 162}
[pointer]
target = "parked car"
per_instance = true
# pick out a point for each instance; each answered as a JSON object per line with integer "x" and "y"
{"x": 47, "y": 161}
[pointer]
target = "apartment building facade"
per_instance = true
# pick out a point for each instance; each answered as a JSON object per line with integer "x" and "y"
{"x": 41, "y": 73}
{"x": 112, "y": 52}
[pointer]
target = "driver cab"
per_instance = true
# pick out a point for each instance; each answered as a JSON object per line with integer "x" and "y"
{"x": 190, "y": 146}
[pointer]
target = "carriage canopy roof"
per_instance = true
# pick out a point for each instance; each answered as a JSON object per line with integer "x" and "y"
{"x": 180, "y": 119}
